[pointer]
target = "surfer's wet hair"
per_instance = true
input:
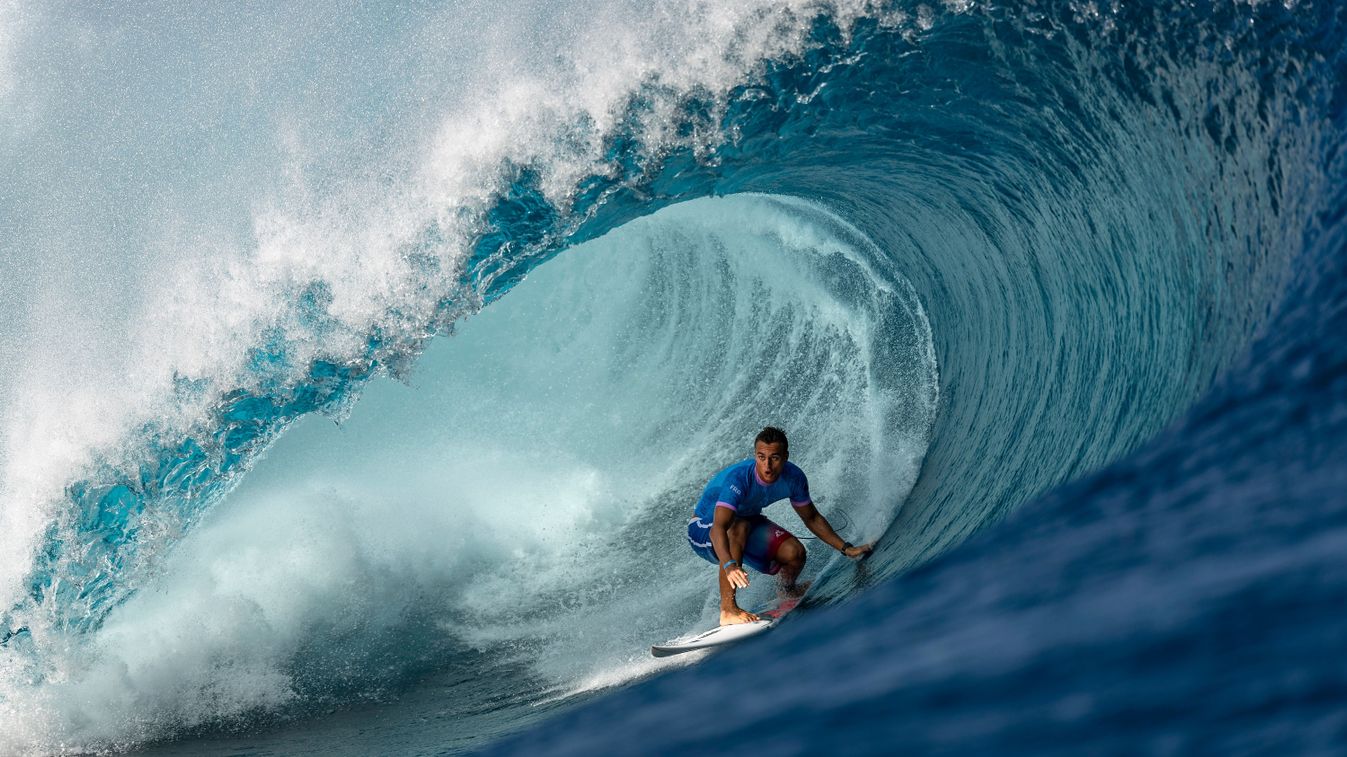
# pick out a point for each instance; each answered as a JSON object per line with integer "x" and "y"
{"x": 773, "y": 435}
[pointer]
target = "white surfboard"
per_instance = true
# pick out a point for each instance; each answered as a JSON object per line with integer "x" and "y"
{"x": 722, "y": 635}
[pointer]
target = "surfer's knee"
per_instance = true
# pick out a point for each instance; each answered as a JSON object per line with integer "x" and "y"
{"x": 791, "y": 552}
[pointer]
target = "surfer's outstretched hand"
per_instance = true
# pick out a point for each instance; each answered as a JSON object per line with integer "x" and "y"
{"x": 860, "y": 550}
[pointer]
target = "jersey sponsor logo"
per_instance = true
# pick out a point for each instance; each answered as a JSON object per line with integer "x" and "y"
{"x": 736, "y": 489}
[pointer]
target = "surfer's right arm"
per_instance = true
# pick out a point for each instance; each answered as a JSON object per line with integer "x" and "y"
{"x": 720, "y": 542}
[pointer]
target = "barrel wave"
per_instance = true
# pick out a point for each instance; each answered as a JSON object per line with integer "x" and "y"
{"x": 1042, "y": 296}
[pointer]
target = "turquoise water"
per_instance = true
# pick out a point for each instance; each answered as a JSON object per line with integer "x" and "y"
{"x": 362, "y": 366}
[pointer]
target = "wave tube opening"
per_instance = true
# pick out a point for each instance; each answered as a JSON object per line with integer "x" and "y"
{"x": 516, "y": 513}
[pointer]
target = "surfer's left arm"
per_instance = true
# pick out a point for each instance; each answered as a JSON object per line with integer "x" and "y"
{"x": 819, "y": 525}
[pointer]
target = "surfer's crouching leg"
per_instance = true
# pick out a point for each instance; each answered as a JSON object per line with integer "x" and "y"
{"x": 790, "y": 555}
{"x": 730, "y": 612}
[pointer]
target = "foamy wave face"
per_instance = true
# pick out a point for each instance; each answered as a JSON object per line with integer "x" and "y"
{"x": 9, "y": 21}
{"x": 523, "y": 496}
{"x": 223, "y": 239}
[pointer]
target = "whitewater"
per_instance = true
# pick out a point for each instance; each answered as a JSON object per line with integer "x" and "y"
{"x": 359, "y": 367}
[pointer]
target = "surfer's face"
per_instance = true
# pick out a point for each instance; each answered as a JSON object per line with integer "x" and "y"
{"x": 771, "y": 460}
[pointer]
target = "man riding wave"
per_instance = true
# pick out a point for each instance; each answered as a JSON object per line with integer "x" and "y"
{"x": 728, "y": 528}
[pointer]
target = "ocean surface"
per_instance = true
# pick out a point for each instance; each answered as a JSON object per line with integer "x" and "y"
{"x": 360, "y": 365}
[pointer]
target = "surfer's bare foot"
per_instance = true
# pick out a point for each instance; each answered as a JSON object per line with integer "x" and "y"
{"x": 733, "y": 615}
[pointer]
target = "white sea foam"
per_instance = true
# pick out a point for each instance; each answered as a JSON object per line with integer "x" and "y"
{"x": 9, "y": 21}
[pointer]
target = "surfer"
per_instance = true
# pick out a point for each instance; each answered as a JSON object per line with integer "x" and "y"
{"x": 728, "y": 528}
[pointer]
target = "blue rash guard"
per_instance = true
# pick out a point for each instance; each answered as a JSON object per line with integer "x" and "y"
{"x": 739, "y": 488}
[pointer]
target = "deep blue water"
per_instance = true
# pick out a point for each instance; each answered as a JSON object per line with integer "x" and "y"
{"x": 1050, "y": 299}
